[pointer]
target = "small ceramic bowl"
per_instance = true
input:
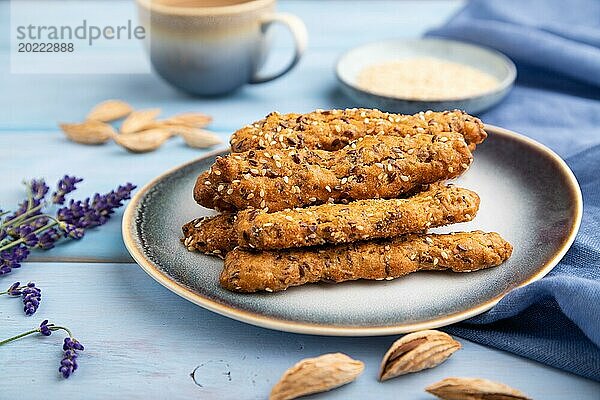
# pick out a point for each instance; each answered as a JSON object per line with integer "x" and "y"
{"x": 484, "y": 59}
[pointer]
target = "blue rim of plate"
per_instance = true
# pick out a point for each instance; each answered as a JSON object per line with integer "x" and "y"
{"x": 132, "y": 244}
{"x": 504, "y": 84}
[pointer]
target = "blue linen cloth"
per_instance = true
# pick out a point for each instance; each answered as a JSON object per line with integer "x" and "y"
{"x": 556, "y": 46}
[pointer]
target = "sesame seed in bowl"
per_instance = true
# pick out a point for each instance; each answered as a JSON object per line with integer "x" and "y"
{"x": 408, "y": 76}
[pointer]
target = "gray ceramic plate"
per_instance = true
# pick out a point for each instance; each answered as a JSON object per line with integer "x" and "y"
{"x": 528, "y": 195}
{"x": 484, "y": 59}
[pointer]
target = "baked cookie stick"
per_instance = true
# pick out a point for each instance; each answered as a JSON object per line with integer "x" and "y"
{"x": 210, "y": 235}
{"x": 371, "y": 167}
{"x": 358, "y": 220}
{"x": 334, "y": 129}
{"x": 272, "y": 271}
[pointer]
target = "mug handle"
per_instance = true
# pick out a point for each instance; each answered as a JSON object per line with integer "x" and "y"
{"x": 298, "y": 31}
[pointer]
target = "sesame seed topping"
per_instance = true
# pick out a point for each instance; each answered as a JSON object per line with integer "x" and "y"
{"x": 229, "y": 191}
{"x": 428, "y": 240}
{"x": 217, "y": 172}
{"x": 250, "y": 196}
{"x": 328, "y": 188}
{"x": 207, "y": 183}
{"x": 287, "y": 217}
{"x": 405, "y": 178}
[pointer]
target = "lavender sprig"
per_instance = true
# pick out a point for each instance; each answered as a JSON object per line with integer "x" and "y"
{"x": 68, "y": 364}
{"x": 31, "y": 227}
{"x": 64, "y": 186}
{"x": 30, "y": 295}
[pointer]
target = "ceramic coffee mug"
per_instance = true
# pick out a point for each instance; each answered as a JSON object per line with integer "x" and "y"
{"x": 211, "y": 47}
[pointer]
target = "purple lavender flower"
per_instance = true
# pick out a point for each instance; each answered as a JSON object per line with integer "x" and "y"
{"x": 14, "y": 289}
{"x": 68, "y": 364}
{"x": 48, "y": 239}
{"x": 95, "y": 212}
{"x": 39, "y": 223}
{"x": 27, "y": 234}
{"x": 39, "y": 189}
{"x": 24, "y": 207}
{"x": 65, "y": 186}
{"x": 31, "y": 298}
{"x": 12, "y": 258}
{"x": 30, "y": 227}
{"x": 30, "y": 294}
{"x": 74, "y": 232}
{"x": 71, "y": 346}
{"x": 45, "y": 328}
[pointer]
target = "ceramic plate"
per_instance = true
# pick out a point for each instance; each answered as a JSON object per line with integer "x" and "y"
{"x": 528, "y": 195}
{"x": 482, "y": 58}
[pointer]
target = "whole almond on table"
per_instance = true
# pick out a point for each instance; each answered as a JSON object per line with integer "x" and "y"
{"x": 197, "y": 138}
{"x": 474, "y": 389}
{"x": 194, "y": 120}
{"x": 415, "y": 352}
{"x": 109, "y": 110}
{"x": 139, "y": 120}
{"x": 144, "y": 141}
{"x": 314, "y": 375}
{"x": 89, "y": 132}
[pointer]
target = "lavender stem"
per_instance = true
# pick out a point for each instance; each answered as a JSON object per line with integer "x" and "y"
{"x": 19, "y": 241}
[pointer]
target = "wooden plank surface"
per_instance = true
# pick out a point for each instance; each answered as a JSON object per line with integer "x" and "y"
{"x": 143, "y": 341}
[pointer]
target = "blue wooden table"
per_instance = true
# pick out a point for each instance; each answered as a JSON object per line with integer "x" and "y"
{"x": 143, "y": 341}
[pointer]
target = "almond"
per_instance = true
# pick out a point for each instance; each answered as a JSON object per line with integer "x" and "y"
{"x": 474, "y": 389}
{"x": 88, "y": 132}
{"x": 109, "y": 110}
{"x": 197, "y": 138}
{"x": 314, "y": 375}
{"x": 415, "y": 352}
{"x": 194, "y": 120}
{"x": 145, "y": 141}
{"x": 139, "y": 120}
